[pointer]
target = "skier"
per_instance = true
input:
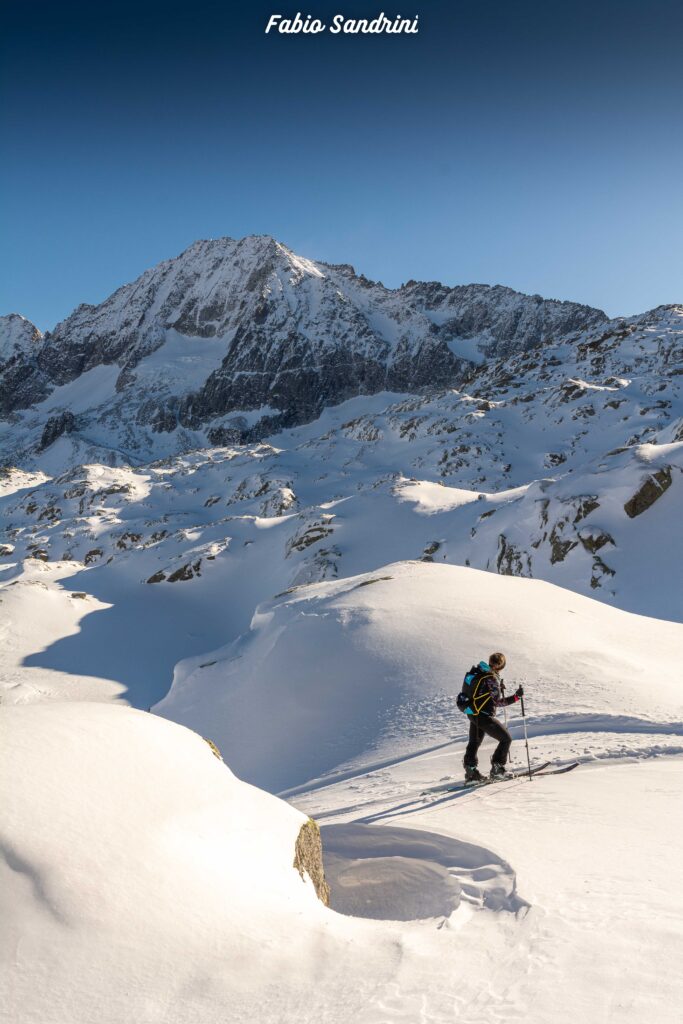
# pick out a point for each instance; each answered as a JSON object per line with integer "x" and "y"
{"x": 482, "y": 693}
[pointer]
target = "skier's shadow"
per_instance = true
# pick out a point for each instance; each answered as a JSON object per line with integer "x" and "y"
{"x": 417, "y": 804}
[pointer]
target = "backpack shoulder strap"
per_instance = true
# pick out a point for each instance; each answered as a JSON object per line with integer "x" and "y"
{"x": 481, "y": 694}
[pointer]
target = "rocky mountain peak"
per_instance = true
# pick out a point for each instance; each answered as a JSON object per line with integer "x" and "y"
{"x": 239, "y": 337}
{"x": 18, "y": 337}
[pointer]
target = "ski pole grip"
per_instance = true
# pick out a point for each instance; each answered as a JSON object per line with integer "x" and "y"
{"x": 521, "y": 701}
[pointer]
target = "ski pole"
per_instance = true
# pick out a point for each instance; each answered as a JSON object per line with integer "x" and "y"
{"x": 505, "y": 715}
{"x": 526, "y": 738}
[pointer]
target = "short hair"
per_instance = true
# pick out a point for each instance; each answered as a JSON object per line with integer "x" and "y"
{"x": 497, "y": 660}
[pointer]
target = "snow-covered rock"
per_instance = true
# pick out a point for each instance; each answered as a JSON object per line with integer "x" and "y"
{"x": 140, "y": 878}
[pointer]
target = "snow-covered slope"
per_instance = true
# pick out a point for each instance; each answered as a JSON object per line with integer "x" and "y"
{"x": 310, "y": 600}
{"x": 370, "y": 666}
{"x": 233, "y": 338}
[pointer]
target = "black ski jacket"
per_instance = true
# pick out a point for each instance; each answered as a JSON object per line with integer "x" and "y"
{"x": 487, "y": 692}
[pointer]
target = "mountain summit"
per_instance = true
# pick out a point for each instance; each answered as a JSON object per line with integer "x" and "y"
{"x": 235, "y": 338}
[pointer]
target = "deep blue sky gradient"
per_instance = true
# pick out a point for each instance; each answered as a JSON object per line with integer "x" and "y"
{"x": 538, "y": 145}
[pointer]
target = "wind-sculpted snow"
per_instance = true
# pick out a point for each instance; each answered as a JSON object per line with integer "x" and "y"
{"x": 380, "y": 873}
{"x": 126, "y": 848}
{"x": 142, "y": 880}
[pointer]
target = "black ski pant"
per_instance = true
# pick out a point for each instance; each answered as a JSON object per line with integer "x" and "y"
{"x": 485, "y": 725}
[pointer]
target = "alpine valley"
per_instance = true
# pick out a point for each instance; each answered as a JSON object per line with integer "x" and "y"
{"x": 285, "y": 508}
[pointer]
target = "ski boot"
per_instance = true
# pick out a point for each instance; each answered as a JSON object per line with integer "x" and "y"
{"x": 499, "y": 772}
{"x": 472, "y": 774}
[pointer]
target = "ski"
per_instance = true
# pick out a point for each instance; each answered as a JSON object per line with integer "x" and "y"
{"x": 535, "y": 769}
{"x": 562, "y": 771}
{"x": 539, "y": 770}
{"x": 516, "y": 773}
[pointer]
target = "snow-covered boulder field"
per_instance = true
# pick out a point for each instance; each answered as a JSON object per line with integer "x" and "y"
{"x": 140, "y": 880}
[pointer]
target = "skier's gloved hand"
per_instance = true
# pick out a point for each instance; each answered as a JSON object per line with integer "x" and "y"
{"x": 519, "y": 692}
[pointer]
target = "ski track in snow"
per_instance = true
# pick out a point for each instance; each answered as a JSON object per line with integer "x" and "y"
{"x": 584, "y": 747}
{"x": 557, "y": 724}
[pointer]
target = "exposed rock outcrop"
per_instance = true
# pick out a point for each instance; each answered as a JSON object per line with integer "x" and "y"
{"x": 511, "y": 560}
{"x": 308, "y": 859}
{"x": 649, "y": 492}
{"x": 63, "y": 423}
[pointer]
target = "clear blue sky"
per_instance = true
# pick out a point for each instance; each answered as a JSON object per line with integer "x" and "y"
{"x": 534, "y": 144}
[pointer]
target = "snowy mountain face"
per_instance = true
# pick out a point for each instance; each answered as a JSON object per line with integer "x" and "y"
{"x": 19, "y": 341}
{"x": 562, "y": 463}
{"x": 233, "y": 339}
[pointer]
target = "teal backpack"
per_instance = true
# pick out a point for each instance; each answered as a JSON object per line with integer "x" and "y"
{"x": 475, "y": 694}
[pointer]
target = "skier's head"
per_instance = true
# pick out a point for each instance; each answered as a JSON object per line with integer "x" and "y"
{"x": 497, "y": 661}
